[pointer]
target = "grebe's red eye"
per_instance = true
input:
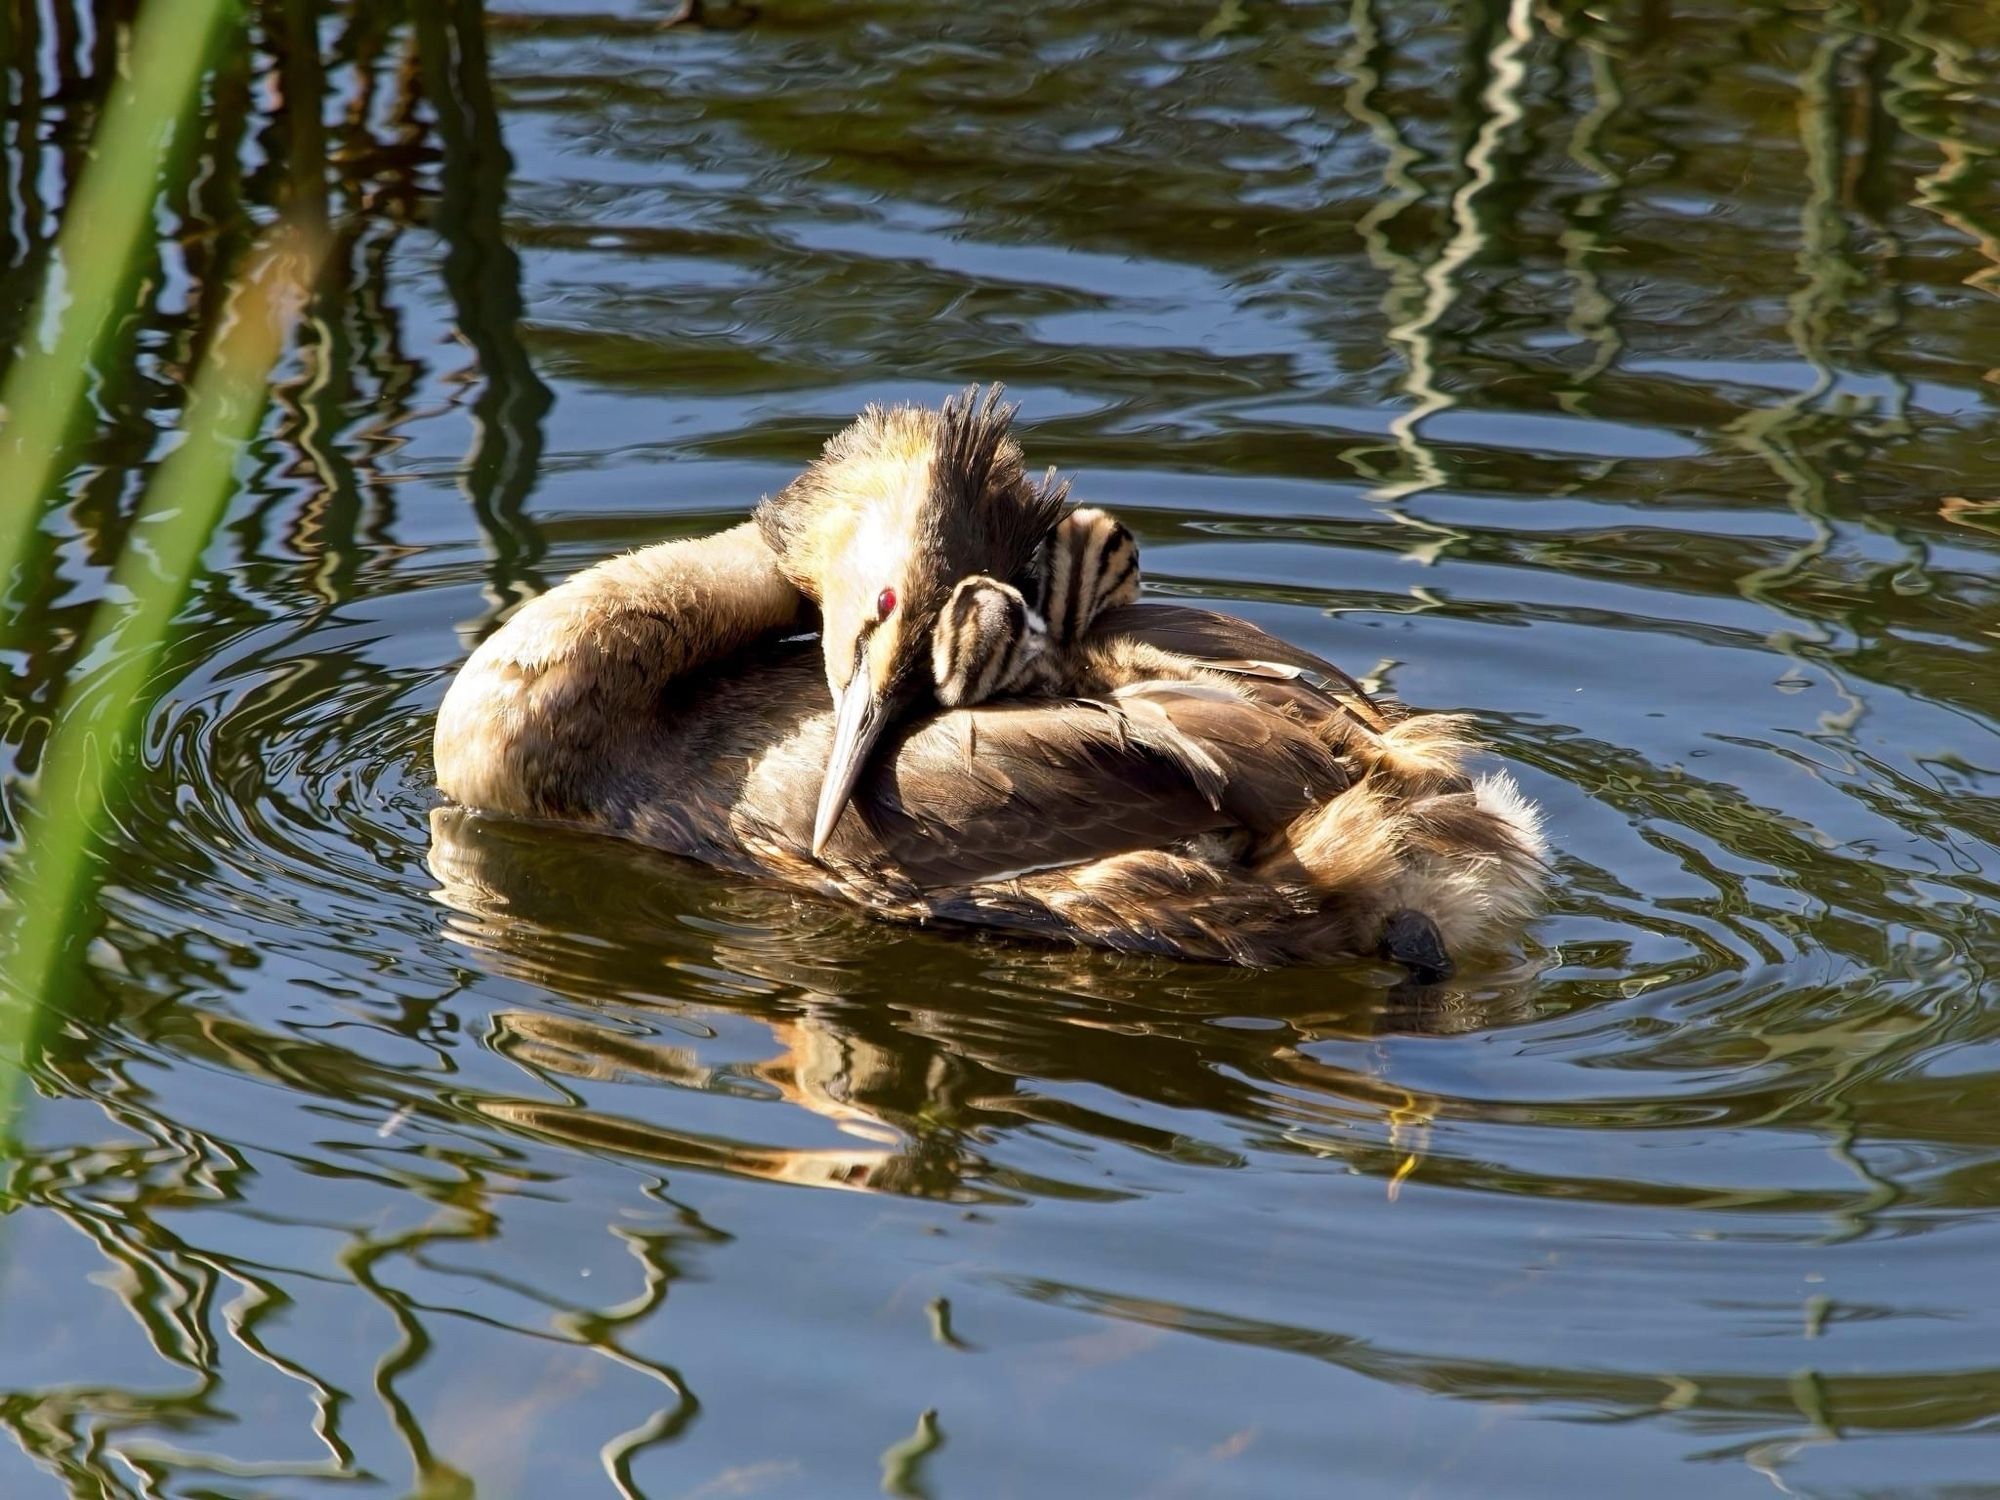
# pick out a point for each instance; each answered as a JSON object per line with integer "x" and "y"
{"x": 885, "y": 604}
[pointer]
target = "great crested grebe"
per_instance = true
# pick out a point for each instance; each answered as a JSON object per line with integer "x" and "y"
{"x": 1162, "y": 779}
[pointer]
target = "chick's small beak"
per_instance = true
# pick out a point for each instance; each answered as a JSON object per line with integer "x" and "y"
{"x": 857, "y": 724}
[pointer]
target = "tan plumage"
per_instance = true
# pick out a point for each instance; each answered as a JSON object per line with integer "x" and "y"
{"x": 1200, "y": 789}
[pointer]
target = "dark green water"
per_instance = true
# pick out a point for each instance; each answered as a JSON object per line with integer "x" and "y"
{"x": 1625, "y": 375}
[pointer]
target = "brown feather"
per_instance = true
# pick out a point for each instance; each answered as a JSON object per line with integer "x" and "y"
{"x": 1184, "y": 806}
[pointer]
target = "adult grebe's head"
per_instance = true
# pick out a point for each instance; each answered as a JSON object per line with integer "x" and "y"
{"x": 901, "y": 506}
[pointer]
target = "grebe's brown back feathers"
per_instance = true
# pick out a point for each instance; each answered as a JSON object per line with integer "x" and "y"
{"x": 1199, "y": 815}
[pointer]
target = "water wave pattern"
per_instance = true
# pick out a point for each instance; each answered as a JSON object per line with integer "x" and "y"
{"x": 1623, "y": 374}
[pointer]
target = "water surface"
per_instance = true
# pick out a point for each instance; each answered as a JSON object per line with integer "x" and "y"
{"x": 1624, "y": 374}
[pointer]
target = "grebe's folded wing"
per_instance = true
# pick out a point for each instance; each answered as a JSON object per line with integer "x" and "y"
{"x": 1276, "y": 670}
{"x": 982, "y": 794}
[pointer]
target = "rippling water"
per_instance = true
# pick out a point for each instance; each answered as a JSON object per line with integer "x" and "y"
{"x": 1623, "y": 374}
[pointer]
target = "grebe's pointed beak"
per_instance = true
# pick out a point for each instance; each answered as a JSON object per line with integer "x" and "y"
{"x": 857, "y": 723}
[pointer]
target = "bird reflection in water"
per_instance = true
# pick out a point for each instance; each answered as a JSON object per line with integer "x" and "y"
{"x": 920, "y": 1048}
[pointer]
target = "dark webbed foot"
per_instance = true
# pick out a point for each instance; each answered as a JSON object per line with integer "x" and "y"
{"x": 1412, "y": 939}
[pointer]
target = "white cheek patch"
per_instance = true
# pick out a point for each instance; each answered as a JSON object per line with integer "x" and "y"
{"x": 875, "y": 556}
{"x": 886, "y": 499}
{"x": 881, "y": 504}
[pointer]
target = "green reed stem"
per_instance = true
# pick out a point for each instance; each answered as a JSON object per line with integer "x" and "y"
{"x": 93, "y": 741}
{"x": 90, "y": 274}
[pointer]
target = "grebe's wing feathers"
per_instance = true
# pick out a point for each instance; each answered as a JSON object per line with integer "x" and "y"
{"x": 982, "y": 794}
{"x": 1206, "y": 635}
{"x": 1272, "y": 670}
